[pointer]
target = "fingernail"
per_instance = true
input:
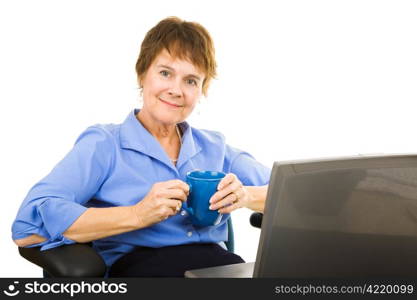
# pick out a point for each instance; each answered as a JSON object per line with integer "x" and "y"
{"x": 211, "y": 207}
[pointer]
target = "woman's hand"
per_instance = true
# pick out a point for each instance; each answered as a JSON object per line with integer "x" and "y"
{"x": 162, "y": 201}
{"x": 230, "y": 196}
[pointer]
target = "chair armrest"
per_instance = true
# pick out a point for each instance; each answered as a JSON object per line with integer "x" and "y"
{"x": 76, "y": 260}
{"x": 256, "y": 219}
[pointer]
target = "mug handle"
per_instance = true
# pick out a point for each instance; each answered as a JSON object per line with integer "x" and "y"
{"x": 191, "y": 186}
{"x": 189, "y": 210}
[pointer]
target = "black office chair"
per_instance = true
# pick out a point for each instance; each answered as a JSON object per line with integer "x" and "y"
{"x": 81, "y": 260}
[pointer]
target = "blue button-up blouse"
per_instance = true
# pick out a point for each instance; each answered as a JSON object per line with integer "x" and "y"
{"x": 116, "y": 165}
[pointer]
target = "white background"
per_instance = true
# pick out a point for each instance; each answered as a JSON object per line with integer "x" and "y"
{"x": 297, "y": 79}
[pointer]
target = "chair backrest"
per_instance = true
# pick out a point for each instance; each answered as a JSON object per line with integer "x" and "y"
{"x": 230, "y": 244}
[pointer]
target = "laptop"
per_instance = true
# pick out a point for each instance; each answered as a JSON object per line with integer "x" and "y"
{"x": 336, "y": 218}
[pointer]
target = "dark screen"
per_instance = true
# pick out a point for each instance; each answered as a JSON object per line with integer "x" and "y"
{"x": 355, "y": 219}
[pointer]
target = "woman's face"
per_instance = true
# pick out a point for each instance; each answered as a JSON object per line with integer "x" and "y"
{"x": 171, "y": 89}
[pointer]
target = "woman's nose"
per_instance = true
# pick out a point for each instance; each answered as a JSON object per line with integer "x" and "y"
{"x": 175, "y": 89}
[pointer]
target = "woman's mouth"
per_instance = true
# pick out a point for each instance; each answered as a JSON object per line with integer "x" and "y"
{"x": 170, "y": 103}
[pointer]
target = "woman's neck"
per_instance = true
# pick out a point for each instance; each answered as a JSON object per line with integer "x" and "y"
{"x": 165, "y": 134}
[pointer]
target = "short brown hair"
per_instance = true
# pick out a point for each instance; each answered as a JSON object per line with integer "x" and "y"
{"x": 185, "y": 40}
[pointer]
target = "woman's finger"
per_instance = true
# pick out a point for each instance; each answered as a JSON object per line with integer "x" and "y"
{"x": 173, "y": 194}
{"x": 177, "y": 184}
{"x": 228, "y": 179}
{"x": 226, "y": 201}
{"x": 228, "y": 209}
{"x": 174, "y": 206}
{"x": 234, "y": 186}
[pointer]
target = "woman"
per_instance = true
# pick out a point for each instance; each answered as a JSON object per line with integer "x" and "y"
{"x": 122, "y": 186}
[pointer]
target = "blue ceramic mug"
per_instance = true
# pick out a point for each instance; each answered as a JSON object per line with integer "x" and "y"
{"x": 203, "y": 185}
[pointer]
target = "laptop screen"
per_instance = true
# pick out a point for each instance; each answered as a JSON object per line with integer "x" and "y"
{"x": 351, "y": 217}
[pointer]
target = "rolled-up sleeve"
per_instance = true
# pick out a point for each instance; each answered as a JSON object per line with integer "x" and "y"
{"x": 54, "y": 203}
{"x": 249, "y": 171}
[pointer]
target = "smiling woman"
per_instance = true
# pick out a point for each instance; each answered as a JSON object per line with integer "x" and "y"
{"x": 171, "y": 89}
{"x": 122, "y": 186}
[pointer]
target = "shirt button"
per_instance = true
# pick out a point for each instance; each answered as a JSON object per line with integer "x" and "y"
{"x": 183, "y": 213}
{"x": 189, "y": 233}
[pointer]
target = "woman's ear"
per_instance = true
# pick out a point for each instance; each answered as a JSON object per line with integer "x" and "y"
{"x": 140, "y": 88}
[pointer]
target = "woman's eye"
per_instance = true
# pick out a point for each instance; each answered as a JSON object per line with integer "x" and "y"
{"x": 164, "y": 73}
{"x": 191, "y": 81}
